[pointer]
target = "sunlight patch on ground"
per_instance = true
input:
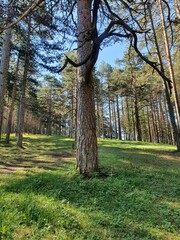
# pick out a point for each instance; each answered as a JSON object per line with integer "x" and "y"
{"x": 138, "y": 198}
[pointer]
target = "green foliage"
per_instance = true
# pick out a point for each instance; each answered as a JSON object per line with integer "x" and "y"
{"x": 134, "y": 196}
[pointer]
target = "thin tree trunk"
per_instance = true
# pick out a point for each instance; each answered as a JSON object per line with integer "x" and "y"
{"x": 110, "y": 118}
{"x": 98, "y": 117}
{"x": 170, "y": 133}
{"x": 133, "y": 122}
{"x": 149, "y": 126}
{"x": 9, "y": 124}
{"x": 118, "y": 118}
{"x": 60, "y": 126}
{"x": 162, "y": 120}
{"x": 72, "y": 117}
{"x": 157, "y": 119}
{"x": 128, "y": 118}
{"x": 177, "y": 8}
{"x": 154, "y": 118}
{"x": 138, "y": 125}
{"x": 76, "y": 99}
{"x": 176, "y": 129}
{"x": 102, "y": 119}
{"x": 4, "y": 66}
{"x": 23, "y": 91}
{"x": 171, "y": 70}
{"x": 115, "y": 118}
{"x": 49, "y": 122}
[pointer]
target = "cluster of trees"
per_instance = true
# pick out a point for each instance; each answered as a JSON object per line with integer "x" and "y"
{"x": 136, "y": 100}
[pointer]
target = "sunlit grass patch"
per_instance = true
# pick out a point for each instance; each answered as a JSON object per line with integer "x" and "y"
{"x": 43, "y": 197}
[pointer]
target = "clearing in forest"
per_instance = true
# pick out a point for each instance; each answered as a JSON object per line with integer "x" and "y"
{"x": 135, "y": 195}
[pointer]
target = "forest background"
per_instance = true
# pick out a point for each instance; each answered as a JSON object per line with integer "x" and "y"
{"x": 135, "y": 99}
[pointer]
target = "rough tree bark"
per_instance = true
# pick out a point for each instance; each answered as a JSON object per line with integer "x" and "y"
{"x": 87, "y": 160}
{"x": 23, "y": 91}
{"x": 176, "y": 131}
{"x": 11, "y": 108}
{"x": 171, "y": 72}
{"x": 4, "y": 65}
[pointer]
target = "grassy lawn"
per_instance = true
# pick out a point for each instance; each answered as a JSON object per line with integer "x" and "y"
{"x": 42, "y": 196}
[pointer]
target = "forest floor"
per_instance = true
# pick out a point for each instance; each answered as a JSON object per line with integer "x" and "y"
{"x": 134, "y": 197}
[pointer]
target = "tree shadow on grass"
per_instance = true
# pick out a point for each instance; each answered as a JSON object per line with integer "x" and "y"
{"x": 143, "y": 157}
{"x": 127, "y": 204}
{"x": 139, "y": 198}
{"x": 54, "y": 163}
{"x": 44, "y": 152}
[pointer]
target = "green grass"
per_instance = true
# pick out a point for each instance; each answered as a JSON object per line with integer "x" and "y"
{"x": 42, "y": 196}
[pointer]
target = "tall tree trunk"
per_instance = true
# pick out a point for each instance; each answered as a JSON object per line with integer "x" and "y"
{"x": 115, "y": 118}
{"x": 118, "y": 118}
{"x": 157, "y": 119}
{"x": 102, "y": 118}
{"x": 4, "y": 66}
{"x": 76, "y": 100}
{"x": 87, "y": 157}
{"x": 162, "y": 122}
{"x": 138, "y": 124}
{"x": 98, "y": 117}
{"x": 177, "y": 8}
{"x": 170, "y": 134}
{"x": 9, "y": 123}
{"x": 171, "y": 72}
{"x": 23, "y": 90}
{"x": 154, "y": 120}
{"x": 149, "y": 126}
{"x": 124, "y": 125}
{"x": 128, "y": 118}
{"x": 110, "y": 118}
{"x": 49, "y": 118}
{"x": 176, "y": 129}
{"x": 133, "y": 120}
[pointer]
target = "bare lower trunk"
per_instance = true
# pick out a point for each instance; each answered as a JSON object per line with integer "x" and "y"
{"x": 23, "y": 93}
{"x": 175, "y": 127}
{"x": 171, "y": 72}
{"x": 98, "y": 118}
{"x": 149, "y": 126}
{"x": 133, "y": 122}
{"x": 4, "y": 66}
{"x": 87, "y": 162}
{"x": 86, "y": 131}
{"x": 110, "y": 118}
{"x": 118, "y": 119}
{"x": 128, "y": 118}
{"x": 115, "y": 119}
{"x": 8, "y": 132}
{"x": 75, "y": 96}
{"x": 138, "y": 126}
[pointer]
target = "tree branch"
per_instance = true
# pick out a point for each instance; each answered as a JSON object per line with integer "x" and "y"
{"x": 70, "y": 61}
{"x": 30, "y": 9}
{"x": 134, "y": 35}
{"x": 95, "y": 17}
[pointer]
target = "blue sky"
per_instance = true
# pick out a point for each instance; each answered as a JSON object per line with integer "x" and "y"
{"x": 109, "y": 54}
